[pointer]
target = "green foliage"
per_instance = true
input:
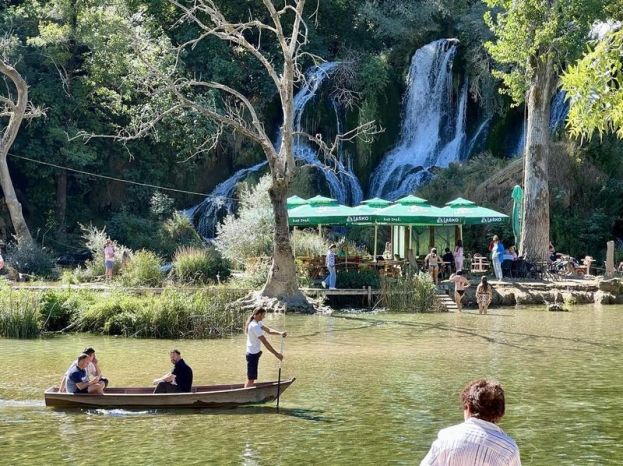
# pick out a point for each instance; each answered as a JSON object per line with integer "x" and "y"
{"x": 95, "y": 240}
{"x": 19, "y": 314}
{"x": 459, "y": 179}
{"x": 309, "y": 243}
{"x": 58, "y": 308}
{"x": 353, "y": 279}
{"x": 31, "y": 259}
{"x": 250, "y": 234}
{"x": 143, "y": 269}
{"x": 594, "y": 88}
{"x": 533, "y": 31}
{"x": 412, "y": 293}
{"x": 199, "y": 266}
{"x": 204, "y": 314}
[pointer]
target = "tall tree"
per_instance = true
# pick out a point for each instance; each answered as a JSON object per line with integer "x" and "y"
{"x": 14, "y": 109}
{"x": 535, "y": 39}
{"x": 275, "y": 39}
{"x": 594, "y": 86}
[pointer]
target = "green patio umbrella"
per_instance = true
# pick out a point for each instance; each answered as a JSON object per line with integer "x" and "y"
{"x": 412, "y": 210}
{"x": 517, "y": 212}
{"x": 371, "y": 207}
{"x": 472, "y": 214}
{"x": 325, "y": 214}
{"x": 295, "y": 201}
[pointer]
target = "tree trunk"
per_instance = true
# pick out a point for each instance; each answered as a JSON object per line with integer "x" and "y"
{"x": 535, "y": 220}
{"x": 15, "y": 119}
{"x": 282, "y": 283}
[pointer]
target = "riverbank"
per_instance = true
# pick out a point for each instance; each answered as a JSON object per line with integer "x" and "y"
{"x": 510, "y": 292}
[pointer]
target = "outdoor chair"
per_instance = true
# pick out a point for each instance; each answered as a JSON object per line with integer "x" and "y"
{"x": 479, "y": 264}
{"x": 506, "y": 268}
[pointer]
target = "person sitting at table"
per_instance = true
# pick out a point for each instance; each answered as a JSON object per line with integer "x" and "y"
{"x": 448, "y": 262}
{"x": 431, "y": 262}
{"x": 387, "y": 254}
{"x": 552, "y": 252}
{"x": 510, "y": 254}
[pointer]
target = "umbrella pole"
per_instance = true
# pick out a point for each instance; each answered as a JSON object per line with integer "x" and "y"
{"x": 376, "y": 228}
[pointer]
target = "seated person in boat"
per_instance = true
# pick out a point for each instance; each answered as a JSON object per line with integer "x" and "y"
{"x": 77, "y": 379}
{"x": 179, "y": 380}
{"x": 93, "y": 369}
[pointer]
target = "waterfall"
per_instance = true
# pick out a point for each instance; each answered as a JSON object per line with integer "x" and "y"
{"x": 219, "y": 202}
{"x": 558, "y": 111}
{"x": 476, "y": 143}
{"x": 433, "y": 128}
{"x": 343, "y": 184}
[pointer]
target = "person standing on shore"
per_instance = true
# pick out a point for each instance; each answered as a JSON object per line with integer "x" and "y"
{"x": 483, "y": 295}
{"x": 458, "y": 255}
{"x": 478, "y": 441}
{"x": 109, "y": 259}
{"x": 460, "y": 284}
{"x": 255, "y": 337}
{"x": 497, "y": 256}
{"x": 330, "y": 263}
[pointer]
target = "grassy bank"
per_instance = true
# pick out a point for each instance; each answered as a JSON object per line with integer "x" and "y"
{"x": 201, "y": 313}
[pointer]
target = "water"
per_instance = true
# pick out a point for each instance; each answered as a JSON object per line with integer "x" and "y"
{"x": 342, "y": 183}
{"x": 433, "y": 128}
{"x": 371, "y": 389}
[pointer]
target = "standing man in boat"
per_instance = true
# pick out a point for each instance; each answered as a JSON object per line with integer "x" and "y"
{"x": 179, "y": 380}
{"x": 478, "y": 441}
{"x": 78, "y": 379}
{"x": 255, "y": 337}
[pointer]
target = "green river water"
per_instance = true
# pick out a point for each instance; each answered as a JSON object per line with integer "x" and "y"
{"x": 371, "y": 389}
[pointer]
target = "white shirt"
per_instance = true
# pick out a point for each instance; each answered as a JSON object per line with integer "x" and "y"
{"x": 473, "y": 443}
{"x": 254, "y": 345}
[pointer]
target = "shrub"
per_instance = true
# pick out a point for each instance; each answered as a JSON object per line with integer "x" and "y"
{"x": 59, "y": 308}
{"x": 143, "y": 269}
{"x": 414, "y": 293}
{"x": 30, "y": 258}
{"x": 199, "y": 265}
{"x": 250, "y": 234}
{"x": 95, "y": 240}
{"x": 309, "y": 243}
{"x": 19, "y": 314}
{"x": 254, "y": 275}
{"x": 355, "y": 280}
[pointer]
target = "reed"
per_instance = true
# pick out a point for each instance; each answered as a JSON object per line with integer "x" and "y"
{"x": 19, "y": 314}
{"x": 412, "y": 293}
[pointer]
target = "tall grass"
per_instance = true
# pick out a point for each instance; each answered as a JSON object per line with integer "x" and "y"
{"x": 199, "y": 265}
{"x": 19, "y": 314}
{"x": 143, "y": 269}
{"x": 414, "y": 293}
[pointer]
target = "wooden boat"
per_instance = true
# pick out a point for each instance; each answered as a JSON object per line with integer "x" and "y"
{"x": 201, "y": 396}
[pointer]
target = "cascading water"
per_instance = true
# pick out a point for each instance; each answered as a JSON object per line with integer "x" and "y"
{"x": 478, "y": 140}
{"x": 343, "y": 184}
{"x": 219, "y": 202}
{"x": 433, "y": 129}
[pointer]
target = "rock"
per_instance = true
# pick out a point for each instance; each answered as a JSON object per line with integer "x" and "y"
{"x": 557, "y": 307}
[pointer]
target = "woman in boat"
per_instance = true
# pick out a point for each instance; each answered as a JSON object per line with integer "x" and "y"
{"x": 255, "y": 337}
{"x": 483, "y": 295}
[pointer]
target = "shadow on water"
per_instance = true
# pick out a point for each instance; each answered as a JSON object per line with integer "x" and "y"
{"x": 305, "y": 414}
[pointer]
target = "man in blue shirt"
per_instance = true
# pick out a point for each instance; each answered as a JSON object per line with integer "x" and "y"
{"x": 78, "y": 380}
{"x": 179, "y": 380}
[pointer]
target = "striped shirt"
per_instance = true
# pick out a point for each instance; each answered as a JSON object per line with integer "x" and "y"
{"x": 473, "y": 443}
{"x": 330, "y": 262}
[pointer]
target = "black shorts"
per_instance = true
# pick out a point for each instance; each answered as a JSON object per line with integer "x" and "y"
{"x": 460, "y": 292}
{"x": 81, "y": 391}
{"x": 253, "y": 361}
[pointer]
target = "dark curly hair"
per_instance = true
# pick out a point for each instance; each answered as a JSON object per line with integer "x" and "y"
{"x": 484, "y": 399}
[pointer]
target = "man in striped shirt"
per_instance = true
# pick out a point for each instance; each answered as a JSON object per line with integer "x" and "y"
{"x": 478, "y": 441}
